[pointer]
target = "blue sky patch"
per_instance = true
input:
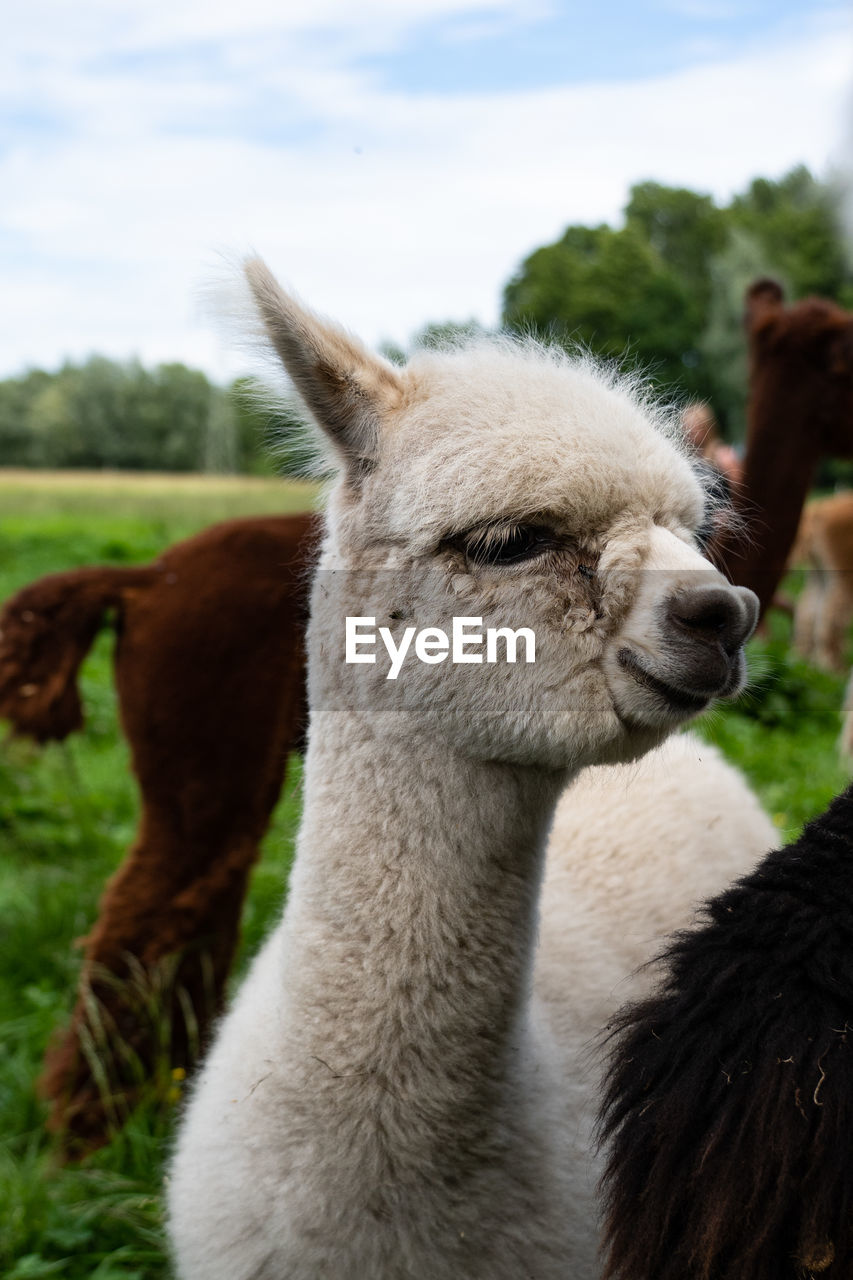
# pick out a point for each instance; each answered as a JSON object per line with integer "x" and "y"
{"x": 579, "y": 43}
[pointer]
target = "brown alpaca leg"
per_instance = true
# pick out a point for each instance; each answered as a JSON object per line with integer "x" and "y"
{"x": 209, "y": 670}
{"x": 845, "y": 740}
{"x": 834, "y": 621}
{"x": 153, "y": 980}
{"x": 808, "y": 610}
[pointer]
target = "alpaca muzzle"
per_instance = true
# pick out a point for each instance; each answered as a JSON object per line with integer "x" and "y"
{"x": 689, "y": 652}
{"x": 704, "y": 630}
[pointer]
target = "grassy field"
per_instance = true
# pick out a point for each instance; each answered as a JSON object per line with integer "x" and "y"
{"x": 68, "y": 813}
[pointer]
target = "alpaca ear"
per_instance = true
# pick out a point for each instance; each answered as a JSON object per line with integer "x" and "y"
{"x": 764, "y": 299}
{"x": 347, "y": 389}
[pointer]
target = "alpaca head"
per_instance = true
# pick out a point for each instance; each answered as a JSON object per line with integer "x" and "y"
{"x": 802, "y": 371}
{"x": 517, "y": 486}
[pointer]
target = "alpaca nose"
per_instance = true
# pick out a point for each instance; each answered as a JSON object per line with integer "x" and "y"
{"x": 716, "y": 615}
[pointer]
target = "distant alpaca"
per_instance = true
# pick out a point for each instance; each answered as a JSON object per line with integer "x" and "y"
{"x": 209, "y": 673}
{"x": 387, "y": 1097}
{"x": 729, "y": 1109}
{"x": 824, "y": 609}
{"x": 800, "y": 409}
{"x": 703, "y": 435}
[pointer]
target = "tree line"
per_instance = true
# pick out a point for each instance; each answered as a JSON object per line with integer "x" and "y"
{"x": 106, "y": 413}
{"x": 663, "y": 291}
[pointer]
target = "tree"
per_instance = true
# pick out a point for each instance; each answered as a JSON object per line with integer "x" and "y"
{"x": 107, "y": 414}
{"x": 797, "y": 221}
{"x": 722, "y": 346}
{"x": 174, "y": 413}
{"x": 666, "y": 291}
{"x": 272, "y": 437}
{"x": 220, "y": 440}
{"x": 612, "y": 292}
{"x": 438, "y": 335}
{"x": 16, "y": 437}
{"x": 686, "y": 230}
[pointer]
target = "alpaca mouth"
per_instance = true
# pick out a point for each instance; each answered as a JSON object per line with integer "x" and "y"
{"x": 678, "y": 699}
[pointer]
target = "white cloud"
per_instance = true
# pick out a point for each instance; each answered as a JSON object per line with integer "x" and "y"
{"x": 383, "y": 209}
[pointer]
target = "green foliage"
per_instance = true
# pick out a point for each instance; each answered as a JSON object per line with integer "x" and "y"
{"x": 272, "y": 438}
{"x": 612, "y": 292}
{"x": 783, "y": 729}
{"x": 786, "y": 691}
{"x": 666, "y": 290}
{"x": 122, "y": 416}
{"x": 722, "y": 348}
{"x": 797, "y": 221}
{"x": 17, "y": 445}
{"x": 104, "y": 414}
{"x": 684, "y": 229}
{"x": 437, "y": 336}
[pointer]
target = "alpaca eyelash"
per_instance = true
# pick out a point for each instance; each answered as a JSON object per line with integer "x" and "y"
{"x": 493, "y": 547}
{"x": 504, "y": 545}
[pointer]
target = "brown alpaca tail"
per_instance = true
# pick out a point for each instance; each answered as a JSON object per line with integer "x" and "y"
{"x": 46, "y": 630}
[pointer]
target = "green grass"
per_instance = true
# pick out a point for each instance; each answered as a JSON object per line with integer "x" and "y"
{"x": 68, "y": 813}
{"x": 783, "y": 731}
{"x": 55, "y": 520}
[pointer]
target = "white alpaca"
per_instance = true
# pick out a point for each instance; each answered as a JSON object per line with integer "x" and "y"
{"x": 387, "y": 1098}
{"x": 633, "y": 850}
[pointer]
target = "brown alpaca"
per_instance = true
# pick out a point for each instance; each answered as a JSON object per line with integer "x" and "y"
{"x": 208, "y": 668}
{"x": 825, "y": 608}
{"x": 800, "y": 409}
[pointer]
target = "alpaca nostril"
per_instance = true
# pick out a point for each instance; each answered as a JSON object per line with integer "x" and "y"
{"x": 752, "y": 608}
{"x": 724, "y": 615}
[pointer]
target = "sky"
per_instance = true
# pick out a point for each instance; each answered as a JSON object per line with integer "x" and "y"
{"x": 394, "y": 161}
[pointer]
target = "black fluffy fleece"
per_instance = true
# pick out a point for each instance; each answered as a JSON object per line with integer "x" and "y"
{"x": 728, "y": 1105}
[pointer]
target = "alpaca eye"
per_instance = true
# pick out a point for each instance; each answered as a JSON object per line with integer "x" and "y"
{"x": 509, "y": 544}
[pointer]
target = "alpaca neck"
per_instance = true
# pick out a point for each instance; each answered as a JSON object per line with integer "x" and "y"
{"x": 773, "y": 491}
{"x": 410, "y": 926}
